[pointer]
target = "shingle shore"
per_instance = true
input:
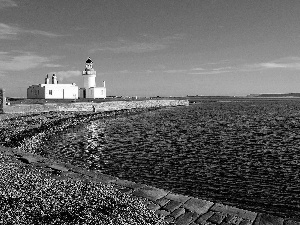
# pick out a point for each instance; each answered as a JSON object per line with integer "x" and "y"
{"x": 34, "y": 190}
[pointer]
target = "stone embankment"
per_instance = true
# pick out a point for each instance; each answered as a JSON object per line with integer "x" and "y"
{"x": 2, "y": 100}
{"x": 173, "y": 208}
{"x": 90, "y": 106}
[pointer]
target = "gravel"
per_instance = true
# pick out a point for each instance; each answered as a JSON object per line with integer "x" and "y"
{"x": 28, "y": 197}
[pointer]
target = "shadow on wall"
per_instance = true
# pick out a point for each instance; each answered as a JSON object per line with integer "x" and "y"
{"x": 2, "y": 100}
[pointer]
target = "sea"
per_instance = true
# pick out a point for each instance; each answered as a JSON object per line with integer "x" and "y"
{"x": 240, "y": 153}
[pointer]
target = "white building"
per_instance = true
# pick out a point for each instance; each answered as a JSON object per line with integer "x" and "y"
{"x": 53, "y": 90}
{"x": 90, "y": 90}
{"x": 69, "y": 91}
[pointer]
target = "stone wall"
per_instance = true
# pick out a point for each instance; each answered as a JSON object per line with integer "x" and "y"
{"x": 89, "y": 106}
{"x": 172, "y": 207}
{"x": 2, "y": 100}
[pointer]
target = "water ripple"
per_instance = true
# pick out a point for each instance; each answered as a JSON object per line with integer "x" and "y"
{"x": 246, "y": 154}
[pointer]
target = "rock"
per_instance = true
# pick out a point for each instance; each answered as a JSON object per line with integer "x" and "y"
{"x": 153, "y": 206}
{"x": 178, "y": 212}
{"x": 198, "y": 205}
{"x": 203, "y": 218}
{"x": 28, "y": 159}
{"x": 57, "y": 167}
{"x": 172, "y": 205}
{"x": 150, "y": 193}
{"x": 217, "y": 218}
{"x": 162, "y": 201}
{"x": 129, "y": 184}
{"x": 291, "y": 222}
{"x": 187, "y": 218}
{"x": 266, "y": 219}
{"x": 234, "y": 211}
{"x": 178, "y": 197}
{"x": 162, "y": 213}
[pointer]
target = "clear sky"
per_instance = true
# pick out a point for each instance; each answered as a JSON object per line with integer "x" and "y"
{"x": 153, "y": 47}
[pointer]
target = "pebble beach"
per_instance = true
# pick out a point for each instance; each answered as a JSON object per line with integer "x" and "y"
{"x": 31, "y": 194}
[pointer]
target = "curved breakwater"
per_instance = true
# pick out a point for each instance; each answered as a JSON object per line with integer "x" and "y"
{"x": 171, "y": 207}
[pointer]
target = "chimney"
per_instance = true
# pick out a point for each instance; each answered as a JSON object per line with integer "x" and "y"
{"x": 47, "y": 81}
{"x": 54, "y": 79}
{"x": 103, "y": 83}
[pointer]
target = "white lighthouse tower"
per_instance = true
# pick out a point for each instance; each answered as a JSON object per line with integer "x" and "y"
{"x": 89, "y": 75}
{"x": 89, "y": 89}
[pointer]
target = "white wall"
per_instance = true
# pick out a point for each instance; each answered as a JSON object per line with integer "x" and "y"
{"x": 98, "y": 92}
{"x": 57, "y": 92}
{"x": 53, "y": 91}
{"x": 71, "y": 92}
{"x": 89, "y": 81}
{"x": 61, "y": 91}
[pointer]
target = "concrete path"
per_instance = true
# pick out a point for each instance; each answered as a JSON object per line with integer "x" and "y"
{"x": 175, "y": 208}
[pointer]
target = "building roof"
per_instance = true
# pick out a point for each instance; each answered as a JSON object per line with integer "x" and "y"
{"x": 89, "y": 60}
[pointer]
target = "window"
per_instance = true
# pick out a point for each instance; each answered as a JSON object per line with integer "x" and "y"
{"x": 50, "y": 92}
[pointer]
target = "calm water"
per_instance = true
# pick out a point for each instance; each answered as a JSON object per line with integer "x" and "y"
{"x": 245, "y": 154}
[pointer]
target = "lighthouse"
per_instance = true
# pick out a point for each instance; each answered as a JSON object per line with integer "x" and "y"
{"x": 90, "y": 90}
{"x": 89, "y": 75}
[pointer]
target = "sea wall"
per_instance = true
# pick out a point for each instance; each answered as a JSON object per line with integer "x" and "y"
{"x": 2, "y": 100}
{"x": 171, "y": 207}
{"x": 90, "y": 106}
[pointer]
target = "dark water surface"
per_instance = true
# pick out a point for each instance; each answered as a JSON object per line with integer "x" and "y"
{"x": 245, "y": 154}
